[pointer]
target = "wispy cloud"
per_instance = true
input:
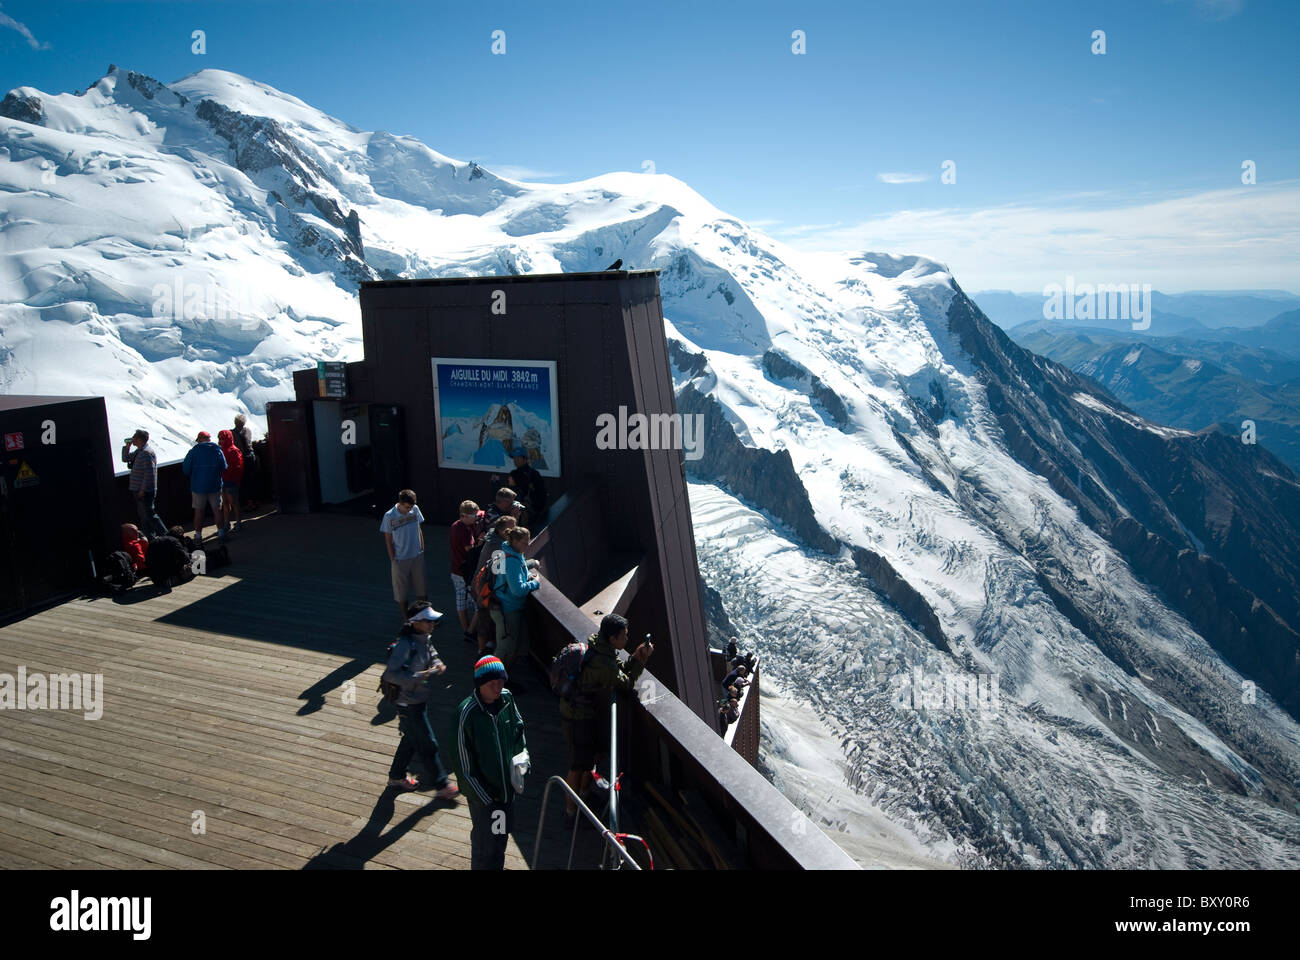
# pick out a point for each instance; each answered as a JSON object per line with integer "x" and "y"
{"x": 21, "y": 28}
{"x": 902, "y": 177}
{"x": 806, "y": 229}
{"x": 1246, "y": 237}
{"x": 514, "y": 172}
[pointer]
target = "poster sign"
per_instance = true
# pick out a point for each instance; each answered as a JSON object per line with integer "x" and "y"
{"x": 332, "y": 379}
{"x": 13, "y": 441}
{"x": 485, "y": 409}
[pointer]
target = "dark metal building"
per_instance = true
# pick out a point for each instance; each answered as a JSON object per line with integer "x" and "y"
{"x": 56, "y": 488}
{"x": 370, "y": 428}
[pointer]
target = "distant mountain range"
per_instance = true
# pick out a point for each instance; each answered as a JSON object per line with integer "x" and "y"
{"x": 1269, "y": 319}
{"x": 1191, "y": 383}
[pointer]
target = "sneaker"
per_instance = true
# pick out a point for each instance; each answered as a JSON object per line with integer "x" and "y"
{"x": 238, "y": 525}
{"x": 221, "y": 536}
{"x": 403, "y": 783}
{"x": 449, "y": 792}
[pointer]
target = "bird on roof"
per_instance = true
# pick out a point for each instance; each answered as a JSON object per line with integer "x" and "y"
{"x": 616, "y": 264}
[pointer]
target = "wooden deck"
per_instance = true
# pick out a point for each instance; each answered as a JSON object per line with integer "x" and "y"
{"x": 226, "y": 699}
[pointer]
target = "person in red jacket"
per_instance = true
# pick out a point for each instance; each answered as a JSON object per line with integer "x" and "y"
{"x": 230, "y": 479}
{"x": 134, "y": 543}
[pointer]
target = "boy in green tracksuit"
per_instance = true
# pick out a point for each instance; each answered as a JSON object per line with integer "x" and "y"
{"x": 489, "y": 744}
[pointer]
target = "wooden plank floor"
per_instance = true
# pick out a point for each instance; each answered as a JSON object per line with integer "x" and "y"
{"x": 226, "y": 699}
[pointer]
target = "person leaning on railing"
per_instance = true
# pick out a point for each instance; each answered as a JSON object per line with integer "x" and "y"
{"x": 729, "y": 711}
{"x": 514, "y": 582}
{"x": 736, "y": 679}
{"x": 602, "y": 672}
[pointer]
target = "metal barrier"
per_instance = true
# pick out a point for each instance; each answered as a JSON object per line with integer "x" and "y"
{"x": 606, "y": 835}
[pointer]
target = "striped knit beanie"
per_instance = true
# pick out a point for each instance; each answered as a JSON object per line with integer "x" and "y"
{"x": 489, "y": 668}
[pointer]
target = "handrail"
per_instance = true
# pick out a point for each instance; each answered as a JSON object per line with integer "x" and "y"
{"x": 605, "y": 834}
{"x": 613, "y": 758}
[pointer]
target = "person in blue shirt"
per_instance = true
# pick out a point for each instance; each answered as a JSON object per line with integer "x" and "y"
{"x": 515, "y": 580}
{"x": 204, "y": 465}
{"x": 405, "y": 542}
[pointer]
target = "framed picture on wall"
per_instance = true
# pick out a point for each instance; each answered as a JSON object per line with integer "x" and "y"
{"x": 487, "y": 409}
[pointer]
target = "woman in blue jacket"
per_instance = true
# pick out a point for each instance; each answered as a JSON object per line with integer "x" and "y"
{"x": 515, "y": 581}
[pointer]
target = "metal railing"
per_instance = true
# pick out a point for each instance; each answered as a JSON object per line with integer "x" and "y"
{"x": 606, "y": 835}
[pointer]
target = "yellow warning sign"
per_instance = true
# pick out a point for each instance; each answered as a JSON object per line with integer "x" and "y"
{"x": 26, "y": 476}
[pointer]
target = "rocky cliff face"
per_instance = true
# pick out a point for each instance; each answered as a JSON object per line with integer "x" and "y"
{"x": 1212, "y": 523}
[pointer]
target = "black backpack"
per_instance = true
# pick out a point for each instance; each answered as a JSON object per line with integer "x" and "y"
{"x": 119, "y": 571}
{"x": 391, "y": 691}
{"x": 168, "y": 558}
{"x": 566, "y": 668}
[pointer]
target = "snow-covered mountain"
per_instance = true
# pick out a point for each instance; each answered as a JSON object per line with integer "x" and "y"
{"x": 1011, "y": 622}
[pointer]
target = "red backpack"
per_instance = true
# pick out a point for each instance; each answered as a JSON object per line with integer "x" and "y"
{"x": 482, "y": 587}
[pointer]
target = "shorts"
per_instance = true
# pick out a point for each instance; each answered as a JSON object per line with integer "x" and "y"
{"x": 197, "y": 500}
{"x": 408, "y": 577}
{"x": 580, "y": 742}
{"x": 458, "y": 587}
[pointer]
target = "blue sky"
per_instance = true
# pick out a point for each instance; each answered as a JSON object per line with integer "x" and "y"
{"x": 1121, "y": 166}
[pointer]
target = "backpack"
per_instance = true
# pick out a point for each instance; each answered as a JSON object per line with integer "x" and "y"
{"x": 483, "y": 589}
{"x": 391, "y": 691}
{"x": 168, "y": 558}
{"x": 567, "y": 666}
{"x": 119, "y": 571}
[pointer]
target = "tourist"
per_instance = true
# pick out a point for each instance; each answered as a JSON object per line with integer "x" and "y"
{"x": 405, "y": 542}
{"x": 204, "y": 465}
{"x": 581, "y": 715}
{"x": 143, "y": 482}
{"x": 231, "y": 477}
{"x": 463, "y": 540}
{"x": 491, "y": 758}
{"x": 412, "y": 661}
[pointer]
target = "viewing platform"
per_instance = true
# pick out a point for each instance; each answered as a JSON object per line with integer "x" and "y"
{"x": 225, "y": 699}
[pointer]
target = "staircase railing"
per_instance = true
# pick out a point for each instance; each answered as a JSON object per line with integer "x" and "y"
{"x": 606, "y": 835}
